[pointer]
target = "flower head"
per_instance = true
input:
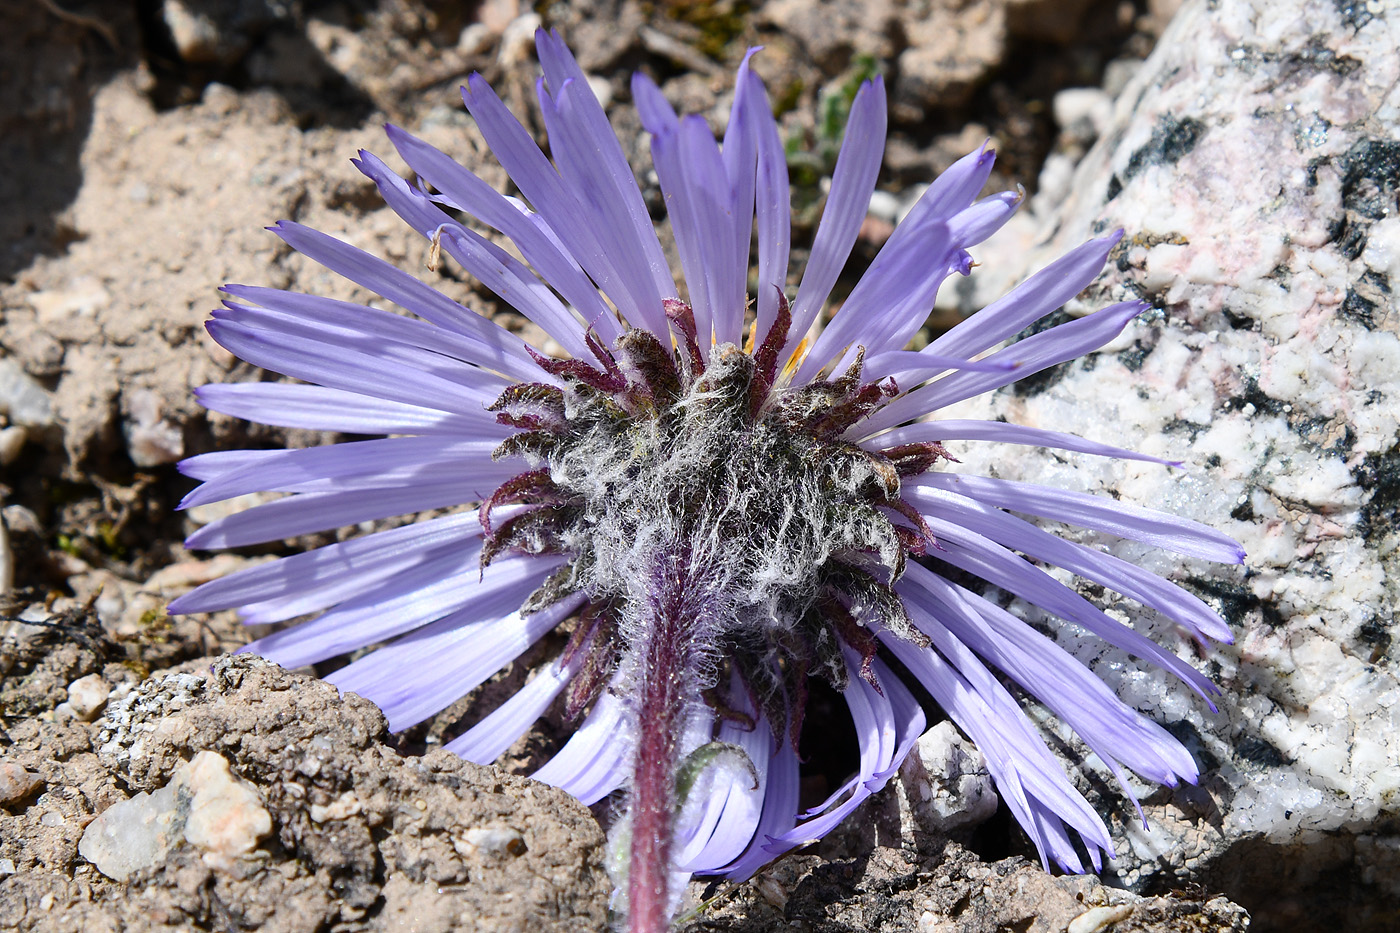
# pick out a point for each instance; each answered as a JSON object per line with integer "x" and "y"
{"x": 716, "y": 508}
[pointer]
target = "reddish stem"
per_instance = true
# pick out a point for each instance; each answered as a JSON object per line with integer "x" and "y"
{"x": 667, "y": 657}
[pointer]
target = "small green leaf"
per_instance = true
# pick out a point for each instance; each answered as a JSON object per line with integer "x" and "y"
{"x": 711, "y": 755}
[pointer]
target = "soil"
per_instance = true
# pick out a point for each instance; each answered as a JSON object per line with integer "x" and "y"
{"x": 360, "y": 838}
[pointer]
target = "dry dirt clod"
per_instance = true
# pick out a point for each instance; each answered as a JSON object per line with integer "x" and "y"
{"x": 227, "y": 802}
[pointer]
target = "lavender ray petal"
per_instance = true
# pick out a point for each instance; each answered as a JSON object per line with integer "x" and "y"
{"x": 944, "y": 203}
{"x": 978, "y": 555}
{"x": 505, "y": 275}
{"x": 319, "y": 408}
{"x": 499, "y": 349}
{"x": 288, "y": 470}
{"x": 874, "y": 719}
{"x": 878, "y": 735}
{"x": 338, "y": 367}
{"x": 345, "y": 564}
{"x": 541, "y": 249}
{"x": 772, "y": 206}
{"x": 955, "y": 429}
{"x": 294, "y": 332}
{"x": 1058, "y": 846}
{"x": 447, "y": 585}
{"x": 683, "y": 201}
{"x": 604, "y": 319}
{"x": 538, "y": 181}
{"x": 974, "y": 224}
{"x": 909, "y": 719}
{"x": 740, "y": 166}
{"x": 221, "y": 463}
{"x": 911, "y": 367}
{"x": 308, "y": 512}
{"x": 1028, "y": 302}
{"x": 570, "y": 86}
{"x": 1058, "y": 679}
{"x": 347, "y": 318}
{"x": 513, "y": 282}
{"x": 440, "y": 468}
{"x": 589, "y": 164}
{"x": 954, "y": 189}
{"x": 813, "y": 830}
{"x": 779, "y": 813}
{"x": 874, "y": 726}
{"x": 1113, "y": 572}
{"x": 1041, "y": 351}
{"x": 734, "y": 829}
{"x": 698, "y": 815}
{"x": 655, "y": 111}
{"x": 1096, "y": 513}
{"x": 709, "y": 187}
{"x": 488, "y": 740}
{"x": 617, "y": 276}
{"x": 852, "y": 183}
{"x": 593, "y": 758}
{"x": 890, "y": 302}
{"x": 424, "y": 591}
{"x": 425, "y": 671}
{"x": 1020, "y": 763}
{"x": 408, "y": 579}
{"x": 428, "y": 589}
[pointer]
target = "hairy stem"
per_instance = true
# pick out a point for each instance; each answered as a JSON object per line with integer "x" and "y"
{"x": 668, "y": 649}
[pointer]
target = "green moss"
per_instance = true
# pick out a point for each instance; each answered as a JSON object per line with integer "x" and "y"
{"x": 155, "y": 626}
{"x": 107, "y": 538}
{"x": 720, "y": 22}
{"x": 807, "y": 166}
{"x": 835, "y": 106}
{"x": 785, "y": 100}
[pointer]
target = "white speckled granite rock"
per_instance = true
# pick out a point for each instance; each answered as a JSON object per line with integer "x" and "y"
{"x": 945, "y": 782}
{"x": 1254, "y": 162}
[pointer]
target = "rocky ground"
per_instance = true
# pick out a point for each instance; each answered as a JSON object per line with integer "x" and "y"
{"x": 1253, "y": 160}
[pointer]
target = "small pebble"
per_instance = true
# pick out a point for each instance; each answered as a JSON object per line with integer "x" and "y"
{"x": 204, "y": 803}
{"x": 1084, "y": 111}
{"x": 772, "y": 890}
{"x": 343, "y": 807}
{"x": 884, "y": 205}
{"x": 87, "y": 695}
{"x": 15, "y": 782}
{"x": 11, "y": 443}
{"x": 497, "y": 15}
{"x": 21, "y": 520}
{"x": 1096, "y": 919}
{"x": 475, "y": 39}
{"x": 602, "y": 89}
{"x": 492, "y": 842}
{"x": 22, "y": 398}
{"x": 518, "y": 40}
{"x": 226, "y": 816}
{"x": 151, "y": 439}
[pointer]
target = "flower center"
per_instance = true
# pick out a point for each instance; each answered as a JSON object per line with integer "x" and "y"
{"x": 792, "y": 535}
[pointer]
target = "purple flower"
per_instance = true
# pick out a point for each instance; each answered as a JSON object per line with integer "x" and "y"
{"x": 715, "y": 507}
